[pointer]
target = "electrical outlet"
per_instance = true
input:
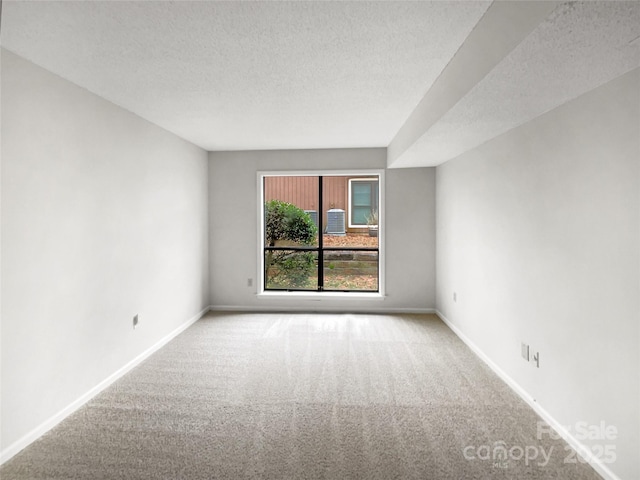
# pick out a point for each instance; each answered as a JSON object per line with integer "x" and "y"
{"x": 455, "y": 297}
{"x": 524, "y": 350}
{"x": 536, "y": 359}
{"x": 249, "y": 282}
{"x": 135, "y": 321}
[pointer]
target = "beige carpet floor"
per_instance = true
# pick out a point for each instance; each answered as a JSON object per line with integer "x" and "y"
{"x": 314, "y": 396}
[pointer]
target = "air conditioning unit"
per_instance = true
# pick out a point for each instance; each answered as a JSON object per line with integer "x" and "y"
{"x": 335, "y": 222}
{"x": 314, "y": 216}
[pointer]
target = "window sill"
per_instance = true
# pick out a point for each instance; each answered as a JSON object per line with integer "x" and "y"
{"x": 320, "y": 296}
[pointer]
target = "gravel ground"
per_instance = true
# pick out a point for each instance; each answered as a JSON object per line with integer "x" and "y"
{"x": 349, "y": 240}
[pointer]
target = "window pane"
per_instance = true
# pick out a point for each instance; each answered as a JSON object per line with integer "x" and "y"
{"x": 291, "y": 211}
{"x": 351, "y": 270}
{"x": 359, "y": 215}
{"x": 289, "y": 269}
{"x": 338, "y": 215}
{"x": 361, "y": 194}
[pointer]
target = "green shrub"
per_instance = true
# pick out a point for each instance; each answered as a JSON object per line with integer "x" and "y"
{"x": 286, "y": 223}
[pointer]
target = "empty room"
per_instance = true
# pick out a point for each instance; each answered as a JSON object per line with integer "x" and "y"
{"x": 320, "y": 240}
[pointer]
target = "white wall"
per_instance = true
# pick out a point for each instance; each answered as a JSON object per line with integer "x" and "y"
{"x": 410, "y": 223}
{"x": 538, "y": 233}
{"x": 104, "y": 216}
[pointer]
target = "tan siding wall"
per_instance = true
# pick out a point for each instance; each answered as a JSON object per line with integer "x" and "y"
{"x": 335, "y": 193}
{"x": 301, "y": 191}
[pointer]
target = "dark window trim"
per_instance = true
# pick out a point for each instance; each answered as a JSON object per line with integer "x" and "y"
{"x": 320, "y": 249}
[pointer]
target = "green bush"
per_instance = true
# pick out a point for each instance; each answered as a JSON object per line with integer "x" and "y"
{"x": 286, "y": 223}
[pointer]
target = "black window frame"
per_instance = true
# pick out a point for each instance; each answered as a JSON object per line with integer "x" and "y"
{"x": 320, "y": 249}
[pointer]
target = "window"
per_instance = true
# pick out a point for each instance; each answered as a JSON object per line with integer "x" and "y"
{"x": 308, "y": 242}
{"x": 363, "y": 201}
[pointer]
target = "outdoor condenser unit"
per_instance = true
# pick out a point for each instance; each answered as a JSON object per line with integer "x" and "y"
{"x": 335, "y": 222}
{"x": 314, "y": 216}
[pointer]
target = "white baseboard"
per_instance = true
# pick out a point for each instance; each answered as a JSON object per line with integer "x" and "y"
{"x": 332, "y": 309}
{"x": 578, "y": 446}
{"x": 47, "y": 425}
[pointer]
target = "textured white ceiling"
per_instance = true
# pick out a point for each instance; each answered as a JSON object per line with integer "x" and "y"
{"x": 250, "y": 75}
{"x": 580, "y": 46}
{"x": 316, "y": 74}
